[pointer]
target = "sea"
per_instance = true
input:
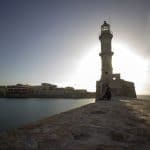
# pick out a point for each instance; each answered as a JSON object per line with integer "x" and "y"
{"x": 17, "y": 112}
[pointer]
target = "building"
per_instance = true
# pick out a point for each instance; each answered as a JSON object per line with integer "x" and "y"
{"x": 18, "y": 90}
{"x": 2, "y": 91}
{"x": 118, "y": 86}
{"x": 45, "y": 90}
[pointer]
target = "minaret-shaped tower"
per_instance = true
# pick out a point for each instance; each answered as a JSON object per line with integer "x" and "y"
{"x": 118, "y": 87}
{"x": 106, "y": 52}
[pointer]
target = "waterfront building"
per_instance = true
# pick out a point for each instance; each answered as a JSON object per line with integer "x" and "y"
{"x": 18, "y": 90}
{"x": 2, "y": 91}
{"x": 45, "y": 90}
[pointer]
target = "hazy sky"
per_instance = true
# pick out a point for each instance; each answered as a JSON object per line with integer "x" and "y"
{"x": 56, "y": 41}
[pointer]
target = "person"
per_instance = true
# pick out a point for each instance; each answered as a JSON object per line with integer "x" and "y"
{"x": 107, "y": 94}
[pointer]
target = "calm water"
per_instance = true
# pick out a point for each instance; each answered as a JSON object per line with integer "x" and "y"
{"x": 18, "y": 112}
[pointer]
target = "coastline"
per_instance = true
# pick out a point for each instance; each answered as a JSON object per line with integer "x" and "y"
{"x": 101, "y": 125}
{"x": 66, "y": 96}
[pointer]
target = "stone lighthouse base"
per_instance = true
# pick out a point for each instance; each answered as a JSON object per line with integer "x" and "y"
{"x": 118, "y": 87}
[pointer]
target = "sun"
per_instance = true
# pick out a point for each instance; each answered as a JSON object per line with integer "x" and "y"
{"x": 87, "y": 70}
{"x": 130, "y": 66}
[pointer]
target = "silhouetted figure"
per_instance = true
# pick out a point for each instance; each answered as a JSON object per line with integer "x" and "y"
{"x": 107, "y": 94}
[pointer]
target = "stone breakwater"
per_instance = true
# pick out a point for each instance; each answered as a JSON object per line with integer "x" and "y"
{"x": 105, "y": 125}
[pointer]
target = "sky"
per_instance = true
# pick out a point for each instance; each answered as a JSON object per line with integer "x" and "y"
{"x": 56, "y": 41}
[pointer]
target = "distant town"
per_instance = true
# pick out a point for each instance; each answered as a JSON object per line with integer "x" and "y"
{"x": 45, "y": 90}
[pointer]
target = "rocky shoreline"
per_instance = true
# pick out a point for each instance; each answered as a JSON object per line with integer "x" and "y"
{"x": 104, "y": 125}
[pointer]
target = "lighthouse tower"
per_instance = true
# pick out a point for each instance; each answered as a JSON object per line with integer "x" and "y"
{"x": 106, "y": 52}
{"x": 118, "y": 87}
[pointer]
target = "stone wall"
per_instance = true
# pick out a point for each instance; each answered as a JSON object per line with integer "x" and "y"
{"x": 119, "y": 88}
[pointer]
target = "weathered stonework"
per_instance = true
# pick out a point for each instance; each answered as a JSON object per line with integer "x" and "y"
{"x": 118, "y": 86}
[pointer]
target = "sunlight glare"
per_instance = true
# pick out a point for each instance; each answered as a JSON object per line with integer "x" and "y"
{"x": 130, "y": 65}
{"x": 88, "y": 70}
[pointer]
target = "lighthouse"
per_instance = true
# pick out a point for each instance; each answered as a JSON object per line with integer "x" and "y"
{"x": 118, "y": 86}
{"x": 106, "y": 50}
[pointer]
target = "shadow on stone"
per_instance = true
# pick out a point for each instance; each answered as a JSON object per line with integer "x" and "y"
{"x": 98, "y": 112}
{"x": 80, "y": 136}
